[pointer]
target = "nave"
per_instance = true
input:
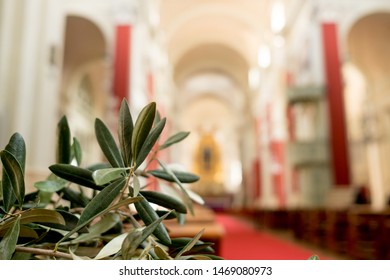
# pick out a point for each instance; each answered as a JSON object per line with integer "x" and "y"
{"x": 356, "y": 233}
{"x": 285, "y": 101}
{"x": 239, "y": 236}
{"x": 244, "y": 241}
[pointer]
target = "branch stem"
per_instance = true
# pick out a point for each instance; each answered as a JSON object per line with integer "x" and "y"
{"x": 44, "y": 252}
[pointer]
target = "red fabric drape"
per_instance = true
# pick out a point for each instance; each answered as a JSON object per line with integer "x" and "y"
{"x": 121, "y": 79}
{"x": 337, "y": 126}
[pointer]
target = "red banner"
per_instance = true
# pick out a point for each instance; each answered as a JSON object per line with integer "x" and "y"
{"x": 337, "y": 126}
{"x": 121, "y": 81}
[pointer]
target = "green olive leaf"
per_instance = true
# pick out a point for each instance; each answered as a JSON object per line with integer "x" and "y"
{"x": 86, "y": 221}
{"x": 157, "y": 118}
{"x": 9, "y": 241}
{"x": 150, "y": 141}
{"x": 78, "y": 258}
{"x": 161, "y": 253}
{"x": 102, "y": 200}
{"x": 149, "y": 216}
{"x": 164, "y": 200}
{"x": 15, "y": 175}
{"x": 107, "y": 175}
{"x": 196, "y": 257}
{"x": 103, "y": 225}
{"x": 125, "y": 202}
{"x": 183, "y": 177}
{"x": 50, "y": 185}
{"x": 313, "y": 257}
{"x": 77, "y": 151}
{"x": 28, "y": 232}
{"x": 7, "y": 192}
{"x": 136, "y": 185}
{"x": 180, "y": 136}
{"x": 111, "y": 247}
{"x": 125, "y": 132}
{"x": 179, "y": 243}
{"x": 39, "y": 216}
{"x": 71, "y": 221}
{"x": 137, "y": 236}
{"x": 190, "y": 244}
{"x": 75, "y": 175}
{"x": 63, "y": 144}
{"x": 142, "y": 127}
{"x": 17, "y": 147}
{"x": 152, "y": 227}
{"x": 107, "y": 144}
{"x": 130, "y": 244}
{"x": 186, "y": 196}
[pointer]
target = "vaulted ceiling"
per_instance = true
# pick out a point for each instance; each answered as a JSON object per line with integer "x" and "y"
{"x": 220, "y": 35}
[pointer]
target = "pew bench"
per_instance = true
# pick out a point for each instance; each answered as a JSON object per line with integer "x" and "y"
{"x": 204, "y": 218}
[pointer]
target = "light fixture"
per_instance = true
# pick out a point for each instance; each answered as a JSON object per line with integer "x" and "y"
{"x": 278, "y": 41}
{"x": 278, "y": 17}
{"x": 254, "y": 78}
{"x": 264, "y": 56}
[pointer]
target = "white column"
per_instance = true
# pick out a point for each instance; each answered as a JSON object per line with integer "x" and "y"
{"x": 28, "y": 76}
{"x": 26, "y": 79}
{"x": 371, "y": 131}
{"x": 47, "y": 95}
{"x": 268, "y": 198}
{"x": 316, "y": 54}
{"x": 10, "y": 30}
{"x": 378, "y": 198}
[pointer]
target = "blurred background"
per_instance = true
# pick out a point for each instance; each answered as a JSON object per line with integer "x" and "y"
{"x": 286, "y": 100}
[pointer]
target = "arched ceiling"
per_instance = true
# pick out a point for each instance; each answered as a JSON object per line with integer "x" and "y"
{"x": 212, "y": 57}
{"x": 212, "y": 84}
{"x": 213, "y": 35}
{"x": 369, "y": 46}
{"x": 84, "y": 42}
{"x": 85, "y": 50}
{"x": 204, "y": 38}
{"x": 238, "y": 25}
{"x": 212, "y": 29}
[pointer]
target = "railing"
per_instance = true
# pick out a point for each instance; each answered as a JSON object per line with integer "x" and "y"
{"x": 304, "y": 94}
{"x": 308, "y": 153}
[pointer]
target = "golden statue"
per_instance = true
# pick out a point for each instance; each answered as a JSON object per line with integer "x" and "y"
{"x": 208, "y": 165}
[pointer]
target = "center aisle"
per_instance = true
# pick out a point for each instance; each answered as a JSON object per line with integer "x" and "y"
{"x": 243, "y": 242}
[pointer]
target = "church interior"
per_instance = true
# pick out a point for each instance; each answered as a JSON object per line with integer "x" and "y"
{"x": 284, "y": 101}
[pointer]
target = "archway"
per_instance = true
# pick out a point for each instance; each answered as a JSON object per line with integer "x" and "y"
{"x": 84, "y": 83}
{"x": 212, "y": 101}
{"x": 207, "y": 44}
{"x": 355, "y": 94}
{"x": 368, "y": 48}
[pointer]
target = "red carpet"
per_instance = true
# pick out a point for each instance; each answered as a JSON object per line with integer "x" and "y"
{"x": 243, "y": 242}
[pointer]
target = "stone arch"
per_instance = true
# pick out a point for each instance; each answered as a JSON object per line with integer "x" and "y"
{"x": 211, "y": 56}
{"x": 213, "y": 97}
{"x": 368, "y": 46}
{"x": 85, "y": 80}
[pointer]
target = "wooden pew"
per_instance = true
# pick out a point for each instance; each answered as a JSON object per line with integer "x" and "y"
{"x": 356, "y": 232}
{"x": 337, "y": 223}
{"x": 204, "y": 219}
{"x": 368, "y": 233}
{"x": 310, "y": 225}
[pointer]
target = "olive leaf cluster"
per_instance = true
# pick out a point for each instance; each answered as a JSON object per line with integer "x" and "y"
{"x": 101, "y": 211}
